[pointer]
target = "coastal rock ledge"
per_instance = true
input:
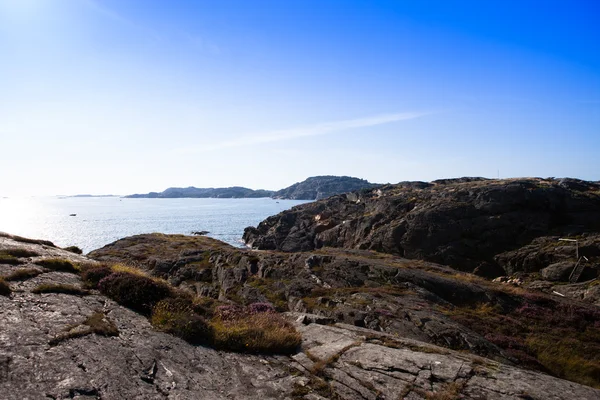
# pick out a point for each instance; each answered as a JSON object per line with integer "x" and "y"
{"x": 135, "y": 361}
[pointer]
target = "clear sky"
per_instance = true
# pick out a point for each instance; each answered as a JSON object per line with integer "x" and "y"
{"x": 130, "y": 96}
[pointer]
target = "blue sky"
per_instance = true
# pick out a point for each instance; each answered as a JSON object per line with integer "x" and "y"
{"x": 124, "y": 96}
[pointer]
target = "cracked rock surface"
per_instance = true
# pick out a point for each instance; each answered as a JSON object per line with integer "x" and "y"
{"x": 335, "y": 362}
{"x": 380, "y": 366}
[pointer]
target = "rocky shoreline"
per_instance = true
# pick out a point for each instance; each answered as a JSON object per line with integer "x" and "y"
{"x": 375, "y": 322}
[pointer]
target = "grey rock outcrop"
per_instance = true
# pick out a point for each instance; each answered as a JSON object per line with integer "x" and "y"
{"x": 470, "y": 224}
{"x": 360, "y": 364}
{"x": 558, "y": 271}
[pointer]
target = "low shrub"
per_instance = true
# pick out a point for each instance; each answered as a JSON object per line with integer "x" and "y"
{"x": 4, "y": 288}
{"x": 256, "y": 308}
{"x": 74, "y": 249}
{"x": 137, "y": 292}
{"x": 23, "y": 274}
{"x": 60, "y": 288}
{"x": 58, "y": 264}
{"x": 556, "y": 337}
{"x": 18, "y": 252}
{"x": 177, "y": 317}
{"x": 91, "y": 276}
{"x": 256, "y": 333}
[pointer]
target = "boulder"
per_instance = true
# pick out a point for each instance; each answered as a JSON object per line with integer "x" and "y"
{"x": 558, "y": 271}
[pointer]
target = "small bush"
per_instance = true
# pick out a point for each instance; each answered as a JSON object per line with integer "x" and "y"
{"x": 58, "y": 264}
{"x": 74, "y": 249}
{"x": 257, "y": 308}
{"x": 258, "y": 333}
{"x": 60, "y": 288}
{"x": 177, "y": 317}
{"x": 91, "y": 276}
{"x": 8, "y": 259}
{"x": 18, "y": 252}
{"x": 23, "y": 274}
{"x": 4, "y": 288}
{"x": 137, "y": 292}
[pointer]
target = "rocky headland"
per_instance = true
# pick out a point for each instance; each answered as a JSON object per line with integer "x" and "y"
{"x": 364, "y": 316}
{"x": 490, "y": 227}
{"x": 320, "y": 187}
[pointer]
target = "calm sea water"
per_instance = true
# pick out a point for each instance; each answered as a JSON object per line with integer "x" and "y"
{"x": 102, "y": 220}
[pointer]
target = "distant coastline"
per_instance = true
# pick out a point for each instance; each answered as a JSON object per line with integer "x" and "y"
{"x": 313, "y": 188}
{"x": 89, "y": 195}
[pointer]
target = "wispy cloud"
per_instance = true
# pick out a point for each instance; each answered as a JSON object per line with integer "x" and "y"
{"x": 116, "y": 17}
{"x": 314, "y": 130}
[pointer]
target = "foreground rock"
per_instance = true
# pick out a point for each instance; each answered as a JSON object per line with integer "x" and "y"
{"x": 385, "y": 294}
{"x": 471, "y": 224}
{"x": 341, "y": 361}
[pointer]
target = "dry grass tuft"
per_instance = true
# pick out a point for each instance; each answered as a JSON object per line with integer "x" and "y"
{"x": 320, "y": 365}
{"x": 23, "y": 274}
{"x": 59, "y": 265}
{"x": 19, "y": 252}
{"x": 60, "y": 288}
{"x": 128, "y": 269}
{"x": 27, "y": 240}
{"x": 8, "y": 259}
{"x": 96, "y": 323}
{"x": 4, "y": 288}
{"x": 256, "y": 333}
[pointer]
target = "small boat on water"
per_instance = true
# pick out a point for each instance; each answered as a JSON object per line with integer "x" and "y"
{"x": 72, "y": 215}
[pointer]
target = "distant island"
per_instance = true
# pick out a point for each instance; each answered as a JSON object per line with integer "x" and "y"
{"x": 313, "y": 188}
{"x": 320, "y": 187}
{"x": 235, "y": 192}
